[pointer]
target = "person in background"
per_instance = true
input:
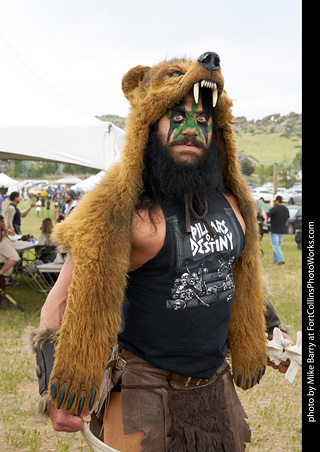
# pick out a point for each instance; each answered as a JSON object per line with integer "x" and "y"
{"x": 14, "y": 214}
{"x": 279, "y": 215}
{"x": 60, "y": 218}
{"x": 1, "y": 201}
{"x": 70, "y": 198}
{"x": 8, "y": 257}
{"x": 44, "y": 239}
{"x": 262, "y": 217}
{"x": 46, "y": 229}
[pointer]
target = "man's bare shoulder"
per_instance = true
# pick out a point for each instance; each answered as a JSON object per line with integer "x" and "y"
{"x": 235, "y": 207}
{"x": 148, "y": 234}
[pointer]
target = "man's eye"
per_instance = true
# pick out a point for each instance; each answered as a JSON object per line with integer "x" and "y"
{"x": 178, "y": 117}
{"x": 202, "y": 119}
{"x": 175, "y": 74}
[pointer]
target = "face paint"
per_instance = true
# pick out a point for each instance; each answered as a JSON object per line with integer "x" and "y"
{"x": 187, "y": 129}
{"x": 182, "y": 119}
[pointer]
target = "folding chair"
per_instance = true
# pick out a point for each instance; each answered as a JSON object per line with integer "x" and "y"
{"x": 35, "y": 279}
{"x": 44, "y": 251}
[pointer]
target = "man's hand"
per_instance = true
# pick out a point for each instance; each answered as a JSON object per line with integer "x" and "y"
{"x": 63, "y": 422}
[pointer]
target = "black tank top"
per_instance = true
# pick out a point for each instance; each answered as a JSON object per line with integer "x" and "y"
{"x": 178, "y": 304}
{"x": 16, "y": 221}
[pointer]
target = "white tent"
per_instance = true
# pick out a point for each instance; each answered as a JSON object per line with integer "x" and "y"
{"x": 88, "y": 183}
{"x": 8, "y": 183}
{"x": 68, "y": 180}
{"x": 36, "y": 123}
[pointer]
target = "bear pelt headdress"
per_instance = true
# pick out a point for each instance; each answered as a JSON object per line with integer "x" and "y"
{"x": 98, "y": 235}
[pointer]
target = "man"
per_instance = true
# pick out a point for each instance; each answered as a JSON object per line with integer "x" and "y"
{"x": 14, "y": 214}
{"x": 279, "y": 215}
{"x": 169, "y": 221}
{"x": 8, "y": 257}
{"x": 70, "y": 202}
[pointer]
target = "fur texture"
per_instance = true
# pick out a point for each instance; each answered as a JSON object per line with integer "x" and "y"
{"x": 98, "y": 234}
{"x": 34, "y": 338}
{"x": 215, "y": 428}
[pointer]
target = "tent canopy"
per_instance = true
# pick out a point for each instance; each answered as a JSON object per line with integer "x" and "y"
{"x": 36, "y": 123}
{"x": 88, "y": 183}
{"x": 7, "y": 182}
{"x": 68, "y": 180}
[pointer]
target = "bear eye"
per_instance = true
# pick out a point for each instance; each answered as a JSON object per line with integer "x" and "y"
{"x": 175, "y": 74}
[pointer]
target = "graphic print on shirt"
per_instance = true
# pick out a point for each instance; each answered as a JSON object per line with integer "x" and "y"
{"x": 204, "y": 266}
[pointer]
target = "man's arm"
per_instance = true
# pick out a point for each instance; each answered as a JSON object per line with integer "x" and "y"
{"x": 25, "y": 212}
{"x": 7, "y": 265}
{"x": 147, "y": 237}
{"x": 51, "y": 316}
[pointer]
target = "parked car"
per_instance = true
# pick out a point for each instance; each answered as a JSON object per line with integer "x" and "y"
{"x": 281, "y": 190}
{"x": 26, "y": 184}
{"x": 292, "y": 195}
{"x": 262, "y": 194}
{"x": 295, "y": 221}
{"x": 38, "y": 191}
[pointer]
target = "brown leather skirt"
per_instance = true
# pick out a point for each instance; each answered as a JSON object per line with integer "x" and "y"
{"x": 177, "y": 413}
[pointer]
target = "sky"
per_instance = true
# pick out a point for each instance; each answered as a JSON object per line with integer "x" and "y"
{"x": 82, "y": 48}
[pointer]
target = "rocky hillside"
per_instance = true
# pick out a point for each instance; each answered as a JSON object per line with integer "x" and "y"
{"x": 118, "y": 121}
{"x": 288, "y": 126}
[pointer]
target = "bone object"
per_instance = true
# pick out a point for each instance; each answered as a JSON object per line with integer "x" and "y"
{"x": 279, "y": 349}
{"x": 94, "y": 443}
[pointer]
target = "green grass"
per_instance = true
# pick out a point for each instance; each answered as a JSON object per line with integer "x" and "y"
{"x": 268, "y": 148}
{"x": 273, "y": 406}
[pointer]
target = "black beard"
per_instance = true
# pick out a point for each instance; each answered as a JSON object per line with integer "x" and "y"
{"x": 166, "y": 181}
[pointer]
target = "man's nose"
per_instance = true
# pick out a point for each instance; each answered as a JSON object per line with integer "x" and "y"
{"x": 190, "y": 131}
{"x": 210, "y": 61}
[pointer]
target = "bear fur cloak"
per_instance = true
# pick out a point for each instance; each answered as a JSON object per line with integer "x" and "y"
{"x": 98, "y": 235}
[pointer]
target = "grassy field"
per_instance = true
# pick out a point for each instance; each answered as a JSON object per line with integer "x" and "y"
{"x": 268, "y": 148}
{"x": 273, "y": 407}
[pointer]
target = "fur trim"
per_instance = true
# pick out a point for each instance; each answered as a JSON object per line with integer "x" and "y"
{"x": 41, "y": 411}
{"x": 33, "y": 338}
{"x": 101, "y": 254}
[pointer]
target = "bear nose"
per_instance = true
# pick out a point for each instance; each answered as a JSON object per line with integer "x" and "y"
{"x": 210, "y": 61}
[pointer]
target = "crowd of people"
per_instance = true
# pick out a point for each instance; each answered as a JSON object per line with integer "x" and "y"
{"x": 10, "y": 226}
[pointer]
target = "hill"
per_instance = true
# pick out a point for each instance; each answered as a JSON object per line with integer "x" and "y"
{"x": 272, "y": 139}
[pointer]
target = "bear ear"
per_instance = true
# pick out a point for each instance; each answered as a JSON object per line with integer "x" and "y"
{"x": 132, "y": 78}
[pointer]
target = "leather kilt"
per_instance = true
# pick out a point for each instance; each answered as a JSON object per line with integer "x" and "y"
{"x": 177, "y": 413}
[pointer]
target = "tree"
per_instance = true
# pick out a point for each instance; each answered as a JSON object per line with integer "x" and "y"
{"x": 247, "y": 168}
{"x": 263, "y": 173}
{"x": 297, "y": 161}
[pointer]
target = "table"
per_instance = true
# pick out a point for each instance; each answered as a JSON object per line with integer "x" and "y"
{"x": 20, "y": 246}
{"x": 50, "y": 267}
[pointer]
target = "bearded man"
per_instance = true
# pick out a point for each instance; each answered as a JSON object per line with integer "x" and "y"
{"x": 175, "y": 236}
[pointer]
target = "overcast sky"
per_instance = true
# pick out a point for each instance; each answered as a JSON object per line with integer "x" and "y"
{"x": 82, "y": 48}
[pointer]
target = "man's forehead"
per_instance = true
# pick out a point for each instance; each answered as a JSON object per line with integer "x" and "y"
{"x": 189, "y": 103}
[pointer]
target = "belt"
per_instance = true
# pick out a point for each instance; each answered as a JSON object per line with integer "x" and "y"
{"x": 127, "y": 360}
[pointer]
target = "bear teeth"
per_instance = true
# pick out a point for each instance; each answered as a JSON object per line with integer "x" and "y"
{"x": 206, "y": 84}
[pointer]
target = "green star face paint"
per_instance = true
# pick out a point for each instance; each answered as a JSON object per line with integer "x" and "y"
{"x": 189, "y": 118}
{"x": 187, "y": 129}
